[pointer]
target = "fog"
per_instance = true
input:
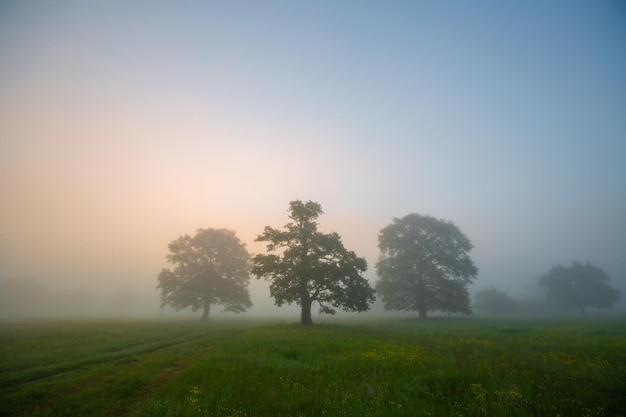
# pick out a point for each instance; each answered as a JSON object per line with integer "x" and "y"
{"x": 123, "y": 127}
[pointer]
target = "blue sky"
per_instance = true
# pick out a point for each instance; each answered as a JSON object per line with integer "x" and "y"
{"x": 126, "y": 124}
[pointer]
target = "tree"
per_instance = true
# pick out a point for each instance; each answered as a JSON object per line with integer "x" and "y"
{"x": 211, "y": 267}
{"x": 424, "y": 266}
{"x": 313, "y": 266}
{"x": 492, "y": 301}
{"x": 579, "y": 286}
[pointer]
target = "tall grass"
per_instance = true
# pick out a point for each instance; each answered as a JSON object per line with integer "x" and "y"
{"x": 443, "y": 368}
{"x": 394, "y": 367}
{"x": 100, "y": 368}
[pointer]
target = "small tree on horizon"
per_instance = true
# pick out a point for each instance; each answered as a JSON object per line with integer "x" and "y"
{"x": 424, "y": 266}
{"x": 492, "y": 301}
{"x": 312, "y": 267}
{"x": 212, "y": 267}
{"x": 579, "y": 286}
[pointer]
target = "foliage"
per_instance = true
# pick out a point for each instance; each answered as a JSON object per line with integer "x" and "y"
{"x": 211, "y": 267}
{"x": 314, "y": 267}
{"x": 442, "y": 367}
{"x": 492, "y": 301}
{"x": 424, "y": 266}
{"x": 579, "y": 286}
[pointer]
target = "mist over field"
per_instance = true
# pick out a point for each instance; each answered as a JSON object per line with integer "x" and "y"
{"x": 124, "y": 126}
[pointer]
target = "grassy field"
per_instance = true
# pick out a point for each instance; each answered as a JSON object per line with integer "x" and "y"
{"x": 382, "y": 367}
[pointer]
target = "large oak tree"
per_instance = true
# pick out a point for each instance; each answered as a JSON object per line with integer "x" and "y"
{"x": 424, "y": 266}
{"x": 579, "y": 286}
{"x": 311, "y": 266}
{"x": 212, "y": 267}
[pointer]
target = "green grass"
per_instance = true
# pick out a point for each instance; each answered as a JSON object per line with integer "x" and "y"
{"x": 383, "y": 367}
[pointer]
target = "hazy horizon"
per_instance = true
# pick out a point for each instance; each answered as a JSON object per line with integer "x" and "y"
{"x": 124, "y": 126}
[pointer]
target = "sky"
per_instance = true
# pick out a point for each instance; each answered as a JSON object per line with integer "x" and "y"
{"x": 125, "y": 124}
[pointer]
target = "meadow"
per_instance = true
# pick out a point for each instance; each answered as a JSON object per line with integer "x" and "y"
{"x": 363, "y": 367}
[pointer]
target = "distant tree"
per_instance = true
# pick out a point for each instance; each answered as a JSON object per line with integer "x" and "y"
{"x": 579, "y": 286}
{"x": 492, "y": 301}
{"x": 25, "y": 296}
{"x": 312, "y": 266}
{"x": 424, "y": 266}
{"x": 211, "y": 267}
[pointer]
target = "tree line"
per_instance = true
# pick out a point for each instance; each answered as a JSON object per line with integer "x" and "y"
{"x": 423, "y": 266}
{"x": 575, "y": 287}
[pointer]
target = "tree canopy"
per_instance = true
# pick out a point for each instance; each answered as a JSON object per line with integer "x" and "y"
{"x": 311, "y": 266}
{"x": 424, "y": 266}
{"x": 579, "y": 286}
{"x": 212, "y": 267}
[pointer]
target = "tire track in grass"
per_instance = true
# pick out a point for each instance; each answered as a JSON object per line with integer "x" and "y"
{"x": 170, "y": 372}
{"x": 175, "y": 370}
{"x": 115, "y": 387}
{"x": 21, "y": 376}
{"x": 93, "y": 380}
{"x": 186, "y": 356}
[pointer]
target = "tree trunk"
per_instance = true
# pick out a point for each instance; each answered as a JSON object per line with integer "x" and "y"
{"x": 305, "y": 314}
{"x": 305, "y": 297}
{"x": 421, "y": 297}
{"x": 205, "y": 311}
